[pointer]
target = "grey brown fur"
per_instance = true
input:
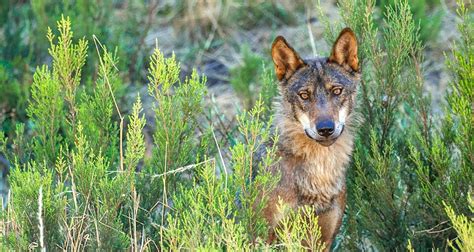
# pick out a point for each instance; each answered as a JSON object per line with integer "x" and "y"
{"x": 314, "y": 119}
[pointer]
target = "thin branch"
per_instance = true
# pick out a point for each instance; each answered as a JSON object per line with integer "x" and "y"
{"x": 40, "y": 219}
{"x": 220, "y": 156}
{"x": 97, "y": 44}
{"x": 310, "y": 32}
{"x": 182, "y": 169}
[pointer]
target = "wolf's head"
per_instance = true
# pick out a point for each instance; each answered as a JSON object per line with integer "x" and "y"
{"x": 318, "y": 94}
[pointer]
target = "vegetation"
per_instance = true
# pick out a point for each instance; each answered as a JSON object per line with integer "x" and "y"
{"x": 429, "y": 21}
{"x": 86, "y": 173}
{"x": 396, "y": 193}
{"x": 244, "y": 78}
{"x": 78, "y": 188}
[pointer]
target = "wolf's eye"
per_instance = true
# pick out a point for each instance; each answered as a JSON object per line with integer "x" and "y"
{"x": 304, "y": 95}
{"x": 337, "y": 91}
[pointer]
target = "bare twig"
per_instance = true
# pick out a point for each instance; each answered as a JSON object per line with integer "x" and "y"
{"x": 222, "y": 159}
{"x": 177, "y": 170}
{"x": 136, "y": 203}
{"x": 165, "y": 197}
{"x": 182, "y": 169}
{"x": 310, "y": 32}
{"x": 433, "y": 229}
{"x": 143, "y": 244}
{"x": 40, "y": 219}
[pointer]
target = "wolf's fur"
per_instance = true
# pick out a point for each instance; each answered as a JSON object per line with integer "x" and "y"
{"x": 312, "y": 166}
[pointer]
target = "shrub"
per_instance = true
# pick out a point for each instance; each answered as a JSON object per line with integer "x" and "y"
{"x": 426, "y": 14}
{"x": 80, "y": 180}
{"x": 245, "y": 77}
{"x": 444, "y": 160}
{"x": 67, "y": 167}
{"x": 81, "y": 186}
{"x": 23, "y": 25}
{"x": 404, "y": 164}
{"x": 180, "y": 140}
{"x": 464, "y": 227}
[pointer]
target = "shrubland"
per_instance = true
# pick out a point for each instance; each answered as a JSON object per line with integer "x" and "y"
{"x": 80, "y": 178}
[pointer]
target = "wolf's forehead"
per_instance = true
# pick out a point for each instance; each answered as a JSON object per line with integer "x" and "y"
{"x": 319, "y": 73}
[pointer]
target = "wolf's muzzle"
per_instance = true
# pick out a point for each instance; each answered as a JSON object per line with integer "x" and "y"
{"x": 325, "y": 128}
{"x": 325, "y": 135}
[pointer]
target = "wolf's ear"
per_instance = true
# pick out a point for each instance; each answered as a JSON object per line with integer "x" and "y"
{"x": 344, "y": 50}
{"x": 286, "y": 60}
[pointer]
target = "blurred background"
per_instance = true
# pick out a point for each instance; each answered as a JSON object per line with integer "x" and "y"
{"x": 227, "y": 40}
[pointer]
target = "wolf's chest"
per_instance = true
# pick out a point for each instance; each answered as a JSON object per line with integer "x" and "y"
{"x": 319, "y": 180}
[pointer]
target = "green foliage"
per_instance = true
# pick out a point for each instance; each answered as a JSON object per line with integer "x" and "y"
{"x": 23, "y": 25}
{"x": 81, "y": 181}
{"x": 26, "y": 186}
{"x": 96, "y": 110}
{"x": 463, "y": 226}
{"x": 299, "y": 225}
{"x": 68, "y": 60}
{"x": 269, "y": 88}
{"x": 203, "y": 216}
{"x": 14, "y": 100}
{"x": 97, "y": 195}
{"x": 80, "y": 198}
{"x": 444, "y": 161}
{"x": 408, "y": 166}
{"x": 102, "y": 19}
{"x": 251, "y": 178}
{"x": 46, "y": 104}
{"x": 177, "y": 111}
{"x": 244, "y": 77}
{"x": 135, "y": 140}
{"x": 424, "y": 14}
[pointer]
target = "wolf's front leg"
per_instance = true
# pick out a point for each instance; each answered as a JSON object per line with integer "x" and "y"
{"x": 330, "y": 220}
{"x": 285, "y": 195}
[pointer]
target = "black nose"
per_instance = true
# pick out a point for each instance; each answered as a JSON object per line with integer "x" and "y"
{"x": 325, "y": 128}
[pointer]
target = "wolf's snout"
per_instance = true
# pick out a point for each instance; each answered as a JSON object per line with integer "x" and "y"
{"x": 325, "y": 128}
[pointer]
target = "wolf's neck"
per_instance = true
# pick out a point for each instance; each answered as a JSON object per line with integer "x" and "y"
{"x": 319, "y": 170}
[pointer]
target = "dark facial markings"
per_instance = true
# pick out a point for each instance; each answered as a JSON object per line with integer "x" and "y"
{"x": 320, "y": 87}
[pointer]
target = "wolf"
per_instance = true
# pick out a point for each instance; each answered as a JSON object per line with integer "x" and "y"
{"x": 315, "y": 121}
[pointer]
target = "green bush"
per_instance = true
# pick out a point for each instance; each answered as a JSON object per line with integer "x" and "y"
{"x": 23, "y": 25}
{"x": 80, "y": 179}
{"x": 426, "y": 13}
{"x": 444, "y": 160}
{"x": 405, "y": 164}
{"x": 245, "y": 77}
{"x": 463, "y": 226}
{"x": 83, "y": 185}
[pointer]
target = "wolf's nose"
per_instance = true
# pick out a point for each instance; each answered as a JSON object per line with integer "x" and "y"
{"x": 325, "y": 128}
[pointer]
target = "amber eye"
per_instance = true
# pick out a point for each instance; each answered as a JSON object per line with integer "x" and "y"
{"x": 337, "y": 91}
{"x": 304, "y": 96}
